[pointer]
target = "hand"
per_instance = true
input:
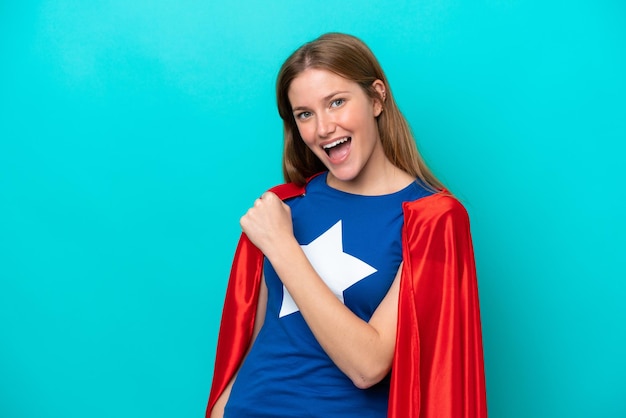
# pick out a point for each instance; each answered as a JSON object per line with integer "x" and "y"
{"x": 268, "y": 223}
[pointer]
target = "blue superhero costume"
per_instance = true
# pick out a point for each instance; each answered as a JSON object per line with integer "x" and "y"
{"x": 354, "y": 243}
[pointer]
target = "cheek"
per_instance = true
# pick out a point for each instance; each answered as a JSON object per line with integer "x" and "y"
{"x": 306, "y": 133}
{"x": 310, "y": 145}
{"x": 308, "y": 137}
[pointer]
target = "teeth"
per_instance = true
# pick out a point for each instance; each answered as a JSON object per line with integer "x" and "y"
{"x": 335, "y": 143}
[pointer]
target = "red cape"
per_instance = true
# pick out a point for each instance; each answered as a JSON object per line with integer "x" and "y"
{"x": 437, "y": 369}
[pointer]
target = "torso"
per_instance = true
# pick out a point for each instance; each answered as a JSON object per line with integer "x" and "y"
{"x": 287, "y": 373}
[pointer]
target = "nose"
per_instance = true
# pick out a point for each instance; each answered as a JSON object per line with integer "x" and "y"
{"x": 325, "y": 125}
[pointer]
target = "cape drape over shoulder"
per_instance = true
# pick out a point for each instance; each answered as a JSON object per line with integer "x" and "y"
{"x": 437, "y": 368}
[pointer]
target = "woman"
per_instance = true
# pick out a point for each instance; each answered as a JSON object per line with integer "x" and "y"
{"x": 353, "y": 289}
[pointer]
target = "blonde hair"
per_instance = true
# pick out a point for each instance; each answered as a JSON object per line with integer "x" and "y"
{"x": 348, "y": 57}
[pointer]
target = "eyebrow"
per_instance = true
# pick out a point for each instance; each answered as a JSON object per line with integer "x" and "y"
{"x": 324, "y": 99}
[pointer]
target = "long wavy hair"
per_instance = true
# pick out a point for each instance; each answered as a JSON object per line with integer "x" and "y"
{"x": 348, "y": 57}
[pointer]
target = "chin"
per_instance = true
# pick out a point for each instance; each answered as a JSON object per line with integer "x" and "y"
{"x": 344, "y": 175}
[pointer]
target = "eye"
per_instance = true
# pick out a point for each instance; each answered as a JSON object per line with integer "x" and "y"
{"x": 303, "y": 115}
{"x": 337, "y": 102}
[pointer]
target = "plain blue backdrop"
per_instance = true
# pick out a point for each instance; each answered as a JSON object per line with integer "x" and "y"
{"x": 134, "y": 134}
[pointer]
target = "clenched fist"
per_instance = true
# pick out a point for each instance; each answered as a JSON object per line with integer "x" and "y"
{"x": 268, "y": 224}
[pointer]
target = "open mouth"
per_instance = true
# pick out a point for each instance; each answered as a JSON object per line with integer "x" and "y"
{"x": 339, "y": 148}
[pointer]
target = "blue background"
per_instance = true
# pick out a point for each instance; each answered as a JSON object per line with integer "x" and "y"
{"x": 134, "y": 134}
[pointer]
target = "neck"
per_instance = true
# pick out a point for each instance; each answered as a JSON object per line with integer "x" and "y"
{"x": 385, "y": 179}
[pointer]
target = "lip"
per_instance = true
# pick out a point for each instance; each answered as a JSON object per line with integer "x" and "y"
{"x": 337, "y": 140}
{"x": 338, "y": 159}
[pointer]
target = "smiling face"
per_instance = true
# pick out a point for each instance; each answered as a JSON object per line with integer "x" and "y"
{"x": 337, "y": 121}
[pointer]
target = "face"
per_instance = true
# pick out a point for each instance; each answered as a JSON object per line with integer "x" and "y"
{"x": 337, "y": 121}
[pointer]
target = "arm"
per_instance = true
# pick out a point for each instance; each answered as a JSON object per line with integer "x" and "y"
{"x": 218, "y": 408}
{"x": 362, "y": 350}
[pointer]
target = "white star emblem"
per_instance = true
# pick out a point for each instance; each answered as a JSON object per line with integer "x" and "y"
{"x": 339, "y": 270}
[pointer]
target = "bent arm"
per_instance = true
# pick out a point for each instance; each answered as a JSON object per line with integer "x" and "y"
{"x": 362, "y": 350}
{"x": 220, "y": 404}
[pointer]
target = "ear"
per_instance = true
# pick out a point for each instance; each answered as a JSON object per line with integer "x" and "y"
{"x": 379, "y": 86}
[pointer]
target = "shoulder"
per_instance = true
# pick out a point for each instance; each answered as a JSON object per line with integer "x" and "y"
{"x": 288, "y": 190}
{"x": 436, "y": 207}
